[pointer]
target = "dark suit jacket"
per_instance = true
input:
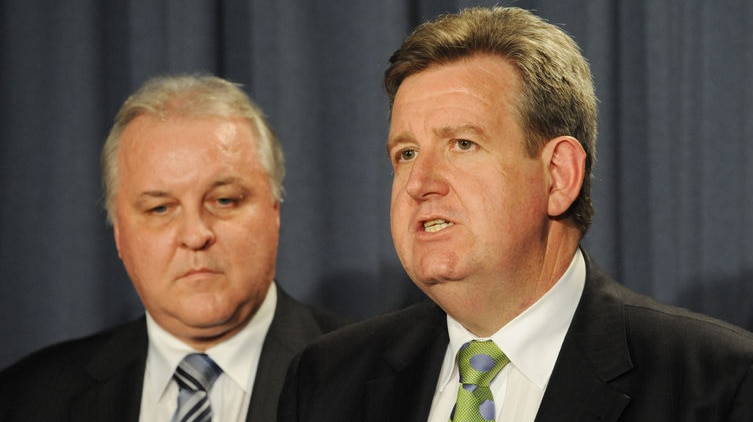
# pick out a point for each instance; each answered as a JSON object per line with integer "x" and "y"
{"x": 100, "y": 378}
{"x": 625, "y": 358}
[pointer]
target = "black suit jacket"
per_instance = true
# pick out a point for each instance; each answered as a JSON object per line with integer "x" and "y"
{"x": 100, "y": 378}
{"x": 625, "y": 358}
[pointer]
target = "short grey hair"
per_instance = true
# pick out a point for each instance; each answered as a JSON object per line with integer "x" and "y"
{"x": 191, "y": 95}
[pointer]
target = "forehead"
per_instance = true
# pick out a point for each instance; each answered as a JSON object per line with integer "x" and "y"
{"x": 157, "y": 135}
{"x": 480, "y": 83}
{"x": 183, "y": 148}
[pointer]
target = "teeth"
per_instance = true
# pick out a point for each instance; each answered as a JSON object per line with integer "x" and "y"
{"x": 436, "y": 225}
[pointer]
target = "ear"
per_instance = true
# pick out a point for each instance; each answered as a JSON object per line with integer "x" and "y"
{"x": 276, "y": 207}
{"x": 565, "y": 159}
{"x": 116, "y": 236}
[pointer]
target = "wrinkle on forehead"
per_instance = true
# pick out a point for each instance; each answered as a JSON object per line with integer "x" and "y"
{"x": 227, "y": 135}
{"x": 160, "y": 150}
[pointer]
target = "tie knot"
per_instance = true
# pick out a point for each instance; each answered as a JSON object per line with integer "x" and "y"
{"x": 479, "y": 362}
{"x": 197, "y": 372}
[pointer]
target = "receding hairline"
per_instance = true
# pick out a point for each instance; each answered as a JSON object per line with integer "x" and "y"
{"x": 193, "y": 96}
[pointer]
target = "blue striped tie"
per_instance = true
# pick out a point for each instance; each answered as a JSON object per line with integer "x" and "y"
{"x": 195, "y": 375}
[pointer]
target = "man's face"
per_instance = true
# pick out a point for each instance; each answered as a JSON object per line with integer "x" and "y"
{"x": 196, "y": 225}
{"x": 469, "y": 205}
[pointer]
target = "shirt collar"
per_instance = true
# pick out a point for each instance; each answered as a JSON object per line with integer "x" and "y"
{"x": 238, "y": 356}
{"x": 533, "y": 339}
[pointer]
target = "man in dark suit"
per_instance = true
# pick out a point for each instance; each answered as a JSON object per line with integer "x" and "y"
{"x": 492, "y": 138}
{"x": 193, "y": 181}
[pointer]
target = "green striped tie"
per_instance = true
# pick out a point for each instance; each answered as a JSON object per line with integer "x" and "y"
{"x": 479, "y": 362}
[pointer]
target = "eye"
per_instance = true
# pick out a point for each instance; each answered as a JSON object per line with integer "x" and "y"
{"x": 224, "y": 201}
{"x": 407, "y": 154}
{"x": 227, "y": 202}
{"x": 464, "y": 144}
{"x": 159, "y": 209}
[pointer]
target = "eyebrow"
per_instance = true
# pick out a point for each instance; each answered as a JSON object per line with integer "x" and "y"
{"x": 391, "y": 142}
{"x": 145, "y": 197}
{"x": 442, "y": 132}
{"x": 226, "y": 181}
{"x": 153, "y": 194}
{"x": 452, "y": 131}
{"x": 163, "y": 194}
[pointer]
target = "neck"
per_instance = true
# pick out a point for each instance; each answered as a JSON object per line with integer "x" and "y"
{"x": 506, "y": 299}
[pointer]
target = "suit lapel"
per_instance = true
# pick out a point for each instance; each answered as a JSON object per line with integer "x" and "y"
{"x": 118, "y": 368}
{"x": 118, "y": 372}
{"x": 292, "y": 328}
{"x": 575, "y": 394}
{"x": 595, "y": 352}
{"x": 402, "y": 388}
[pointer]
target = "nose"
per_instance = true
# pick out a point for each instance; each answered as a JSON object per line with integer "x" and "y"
{"x": 427, "y": 177}
{"x": 195, "y": 231}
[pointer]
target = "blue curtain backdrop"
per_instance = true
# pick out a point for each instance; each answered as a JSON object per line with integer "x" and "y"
{"x": 673, "y": 183}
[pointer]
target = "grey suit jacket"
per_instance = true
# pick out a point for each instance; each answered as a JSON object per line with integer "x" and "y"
{"x": 100, "y": 378}
{"x": 625, "y": 358}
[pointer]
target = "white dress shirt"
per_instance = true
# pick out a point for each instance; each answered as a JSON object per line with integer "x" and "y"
{"x": 238, "y": 357}
{"x": 532, "y": 341}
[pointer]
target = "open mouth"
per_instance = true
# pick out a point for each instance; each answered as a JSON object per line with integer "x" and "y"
{"x": 433, "y": 226}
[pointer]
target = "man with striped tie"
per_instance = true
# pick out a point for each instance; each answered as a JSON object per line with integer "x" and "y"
{"x": 492, "y": 137}
{"x": 193, "y": 181}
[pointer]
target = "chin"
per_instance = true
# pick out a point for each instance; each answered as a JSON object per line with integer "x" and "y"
{"x": 433, "y": 288}
{"x": 445, "y": 287}
{"x": 439, "y": 275}
{"x": 208, "y": 314}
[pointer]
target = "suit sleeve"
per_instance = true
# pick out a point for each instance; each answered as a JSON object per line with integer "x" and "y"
{"x": 742, "y": 405}
{"x": 287, "y": 407}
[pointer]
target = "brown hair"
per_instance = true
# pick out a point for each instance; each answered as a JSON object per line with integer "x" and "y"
{"x": 557, "y": 95}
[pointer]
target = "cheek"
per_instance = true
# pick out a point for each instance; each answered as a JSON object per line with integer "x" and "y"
{"x": 400, "y": 220}
{"x": 515, "y": 210}
{"x": 397, "y": 189}
{"x": 251, "y": 240}
{"x": 143, "y": 253}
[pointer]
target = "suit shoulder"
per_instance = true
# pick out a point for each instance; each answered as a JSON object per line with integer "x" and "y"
{"x": 654, "y": 320}
{"x": 291, "y": 311}
{"x": 62, "y": 372}
{"x": 66, "y": 358}
{"x": 375, "y": 349}
{"x": 657, "y": 331}
{"x": 375, "y": 333}
{"x": 645, "y": 314}
{"x": 327, "y": 320}
{"x": 666, "y": 323}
